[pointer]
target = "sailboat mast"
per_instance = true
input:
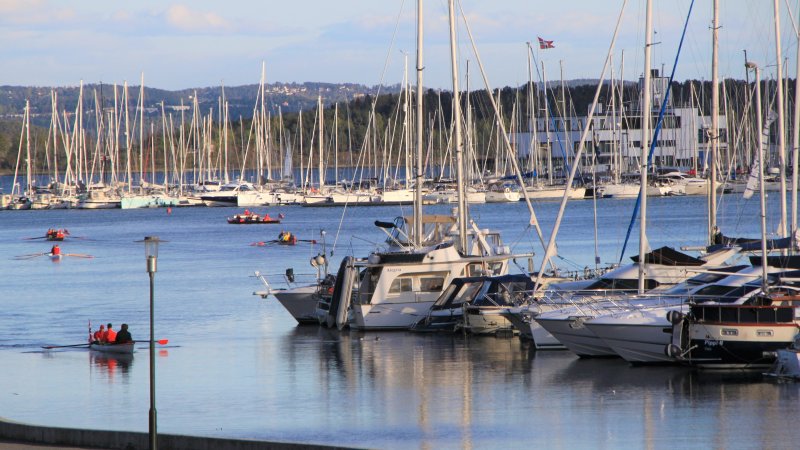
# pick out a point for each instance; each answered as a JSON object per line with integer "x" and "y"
{"x": 760, "y": 162}
{"x": 795, "y": 141}
{"x": 319, "y": 157}
{"x": 459, "y": 150}
{"x": 712, "y": 185}
{"x": 645, "y": 145}
{"x": 418, "y": 232}
{"x": 28, "y": 169}
{"x": 781, "y": 130}
{"x": 141, "y": 132}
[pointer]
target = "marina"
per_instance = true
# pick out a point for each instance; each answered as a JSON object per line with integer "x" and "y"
{"x": 526, "y": 274}
{"x": 239, "y": 366}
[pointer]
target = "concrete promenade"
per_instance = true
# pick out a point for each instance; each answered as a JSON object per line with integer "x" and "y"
{"x": 20, "y": 436}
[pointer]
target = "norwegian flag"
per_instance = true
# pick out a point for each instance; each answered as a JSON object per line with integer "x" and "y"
{"x": 544, "y": 45}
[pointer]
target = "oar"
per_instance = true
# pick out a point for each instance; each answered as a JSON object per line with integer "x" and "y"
{"x": 263, "y": 243}
{"x": 313, "y": 241}
{"x": 32, "y": 238}
{"x": 32, "y": 255}
{"x": 78, "y": 255}
{"x": 159, "y": 342}
{"x": 64, "y": 346}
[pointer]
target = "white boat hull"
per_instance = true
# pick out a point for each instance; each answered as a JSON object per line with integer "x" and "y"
{"x": 573, "y": 334}
{"x": 300, "y": 302}
{"x": 642, "y": 343}
{"x": 389, "y": 316}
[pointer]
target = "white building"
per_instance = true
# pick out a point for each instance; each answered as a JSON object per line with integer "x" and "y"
{"x": 615, "y": 140}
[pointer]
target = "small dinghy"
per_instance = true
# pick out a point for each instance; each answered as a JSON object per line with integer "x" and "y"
{"x": 118, "y": 349}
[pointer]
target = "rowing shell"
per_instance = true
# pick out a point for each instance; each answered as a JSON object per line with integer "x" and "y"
{"x": 120, "y": 349}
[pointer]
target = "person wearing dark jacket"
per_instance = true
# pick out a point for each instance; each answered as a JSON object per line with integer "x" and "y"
{"x": 123, "y": 336}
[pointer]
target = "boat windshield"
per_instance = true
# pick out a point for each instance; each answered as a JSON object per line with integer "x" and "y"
{"x": 722, "y": 294}
{"x": 626, "y": 284}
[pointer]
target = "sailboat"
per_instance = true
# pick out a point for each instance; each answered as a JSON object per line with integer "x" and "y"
{"x": 399, "y": 285}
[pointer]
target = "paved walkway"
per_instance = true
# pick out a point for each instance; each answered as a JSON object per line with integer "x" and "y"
{"x": 23, "y": 446}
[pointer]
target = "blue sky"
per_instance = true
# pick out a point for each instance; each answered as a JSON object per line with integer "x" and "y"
{"x": 194, "y": 43}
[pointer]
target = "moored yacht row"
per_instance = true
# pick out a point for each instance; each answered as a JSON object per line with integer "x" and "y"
{"x": 246, "y": 194}
{"x": 703, "y": 311}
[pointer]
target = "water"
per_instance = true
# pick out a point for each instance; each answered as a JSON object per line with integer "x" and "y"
{"x": 237, "y": 366}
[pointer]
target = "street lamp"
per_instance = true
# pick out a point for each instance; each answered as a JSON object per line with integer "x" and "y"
{"x": 151, "y": 258}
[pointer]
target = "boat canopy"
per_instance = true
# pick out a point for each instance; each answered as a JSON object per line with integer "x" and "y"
{"x": 668, "y": 256}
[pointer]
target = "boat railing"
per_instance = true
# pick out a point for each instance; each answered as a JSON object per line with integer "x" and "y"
{"x": 287, "y": 280}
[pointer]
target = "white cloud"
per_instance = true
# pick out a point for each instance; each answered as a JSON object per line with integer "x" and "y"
{"x": 28, "y": 13}
{"x": 186, "y": 19}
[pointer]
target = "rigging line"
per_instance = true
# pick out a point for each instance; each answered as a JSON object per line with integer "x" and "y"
{"x": 551, "y": 245}
{"x": 372, "y": 111}
{"x": 656, "y": 132}
{"x": 552, "y": 117}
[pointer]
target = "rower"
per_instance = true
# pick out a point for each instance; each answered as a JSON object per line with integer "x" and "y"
{"x": 124, "y": 336}
{"x": 55, "y": 250}
{"x": 98, "y": 335}
{"x": 110, "y": 335}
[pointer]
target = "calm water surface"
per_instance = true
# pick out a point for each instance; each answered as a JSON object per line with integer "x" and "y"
{"x": 237, "y": 366}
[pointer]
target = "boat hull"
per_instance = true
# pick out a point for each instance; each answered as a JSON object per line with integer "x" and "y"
{"x": 573, "y": 334}
{"x": 116, "y": 349}
{"x": 636, "y": 343}
{"x": 300, "y": 302}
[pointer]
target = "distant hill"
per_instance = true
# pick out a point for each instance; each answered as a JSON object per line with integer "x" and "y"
{"x": 289, "y": 97}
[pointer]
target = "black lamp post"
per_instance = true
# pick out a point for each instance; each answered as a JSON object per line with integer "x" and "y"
{"x": 151, "y": 257}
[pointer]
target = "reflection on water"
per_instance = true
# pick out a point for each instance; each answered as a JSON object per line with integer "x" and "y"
{"x": 111, "y": 366}
{"x": 237, "y": 366}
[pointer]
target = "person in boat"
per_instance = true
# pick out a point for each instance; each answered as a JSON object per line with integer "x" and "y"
{"x": 267, "y": 217}
{"x": 246, "y": 212}
{"x": 284, "y": 236}
{"x": 124, "y": 336}
{"x": 55, "y": 250}
{"x": 98, "y": 335}
{"x": 110, "y": 335}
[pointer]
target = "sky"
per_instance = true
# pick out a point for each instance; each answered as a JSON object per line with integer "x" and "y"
{"x": 199, "y": 43}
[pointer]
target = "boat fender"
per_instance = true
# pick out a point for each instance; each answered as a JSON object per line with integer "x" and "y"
{"x": 507, "y": 190}
{"x": 674, "y": 317}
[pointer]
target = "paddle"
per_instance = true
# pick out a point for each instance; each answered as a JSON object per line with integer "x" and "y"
{"x": 78, "y": 255}
{"x": 64, "y": 346}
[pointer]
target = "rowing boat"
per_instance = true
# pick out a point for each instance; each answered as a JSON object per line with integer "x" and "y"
{"x": 125, "y": 349}
{"x": 241, "y": 219}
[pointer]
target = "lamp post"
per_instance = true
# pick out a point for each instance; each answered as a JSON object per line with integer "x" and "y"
{"x": 151, "y": 258}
